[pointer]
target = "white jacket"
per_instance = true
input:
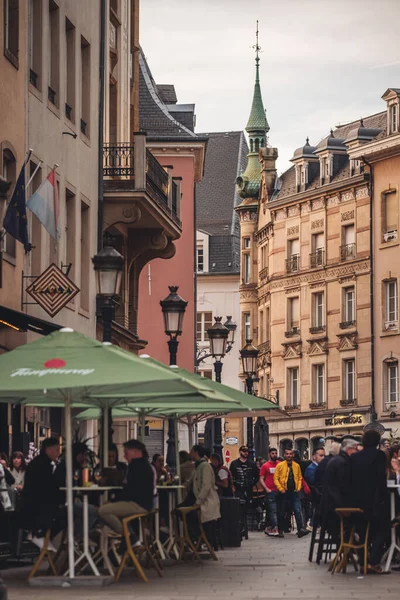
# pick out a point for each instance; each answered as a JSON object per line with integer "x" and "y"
{"x": 205, "y": 491}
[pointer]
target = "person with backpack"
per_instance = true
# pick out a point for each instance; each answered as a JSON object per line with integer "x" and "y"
{"x": 223, "y": 477}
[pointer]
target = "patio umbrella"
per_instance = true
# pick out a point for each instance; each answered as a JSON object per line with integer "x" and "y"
{"x": 261, "y": 437}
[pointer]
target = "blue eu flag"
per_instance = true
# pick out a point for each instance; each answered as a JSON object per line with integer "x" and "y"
{"x": 15, "y": 221}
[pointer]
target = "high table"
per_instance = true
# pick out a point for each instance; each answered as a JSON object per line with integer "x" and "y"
{"x": 393, "y": 546}
{"x": 170, "y": 543}
{"x": 85, "y": 491}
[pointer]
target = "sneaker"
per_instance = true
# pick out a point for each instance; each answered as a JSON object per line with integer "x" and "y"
{"x": 302, "y": 533}
{"x": 268, "y": 531}
{"x": 275, "y": 532}
{"x": 39, "y": 542}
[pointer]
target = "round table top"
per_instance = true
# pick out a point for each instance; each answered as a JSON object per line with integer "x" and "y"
{"x": 170, "y": 487}
{"x": 95, "y": 488}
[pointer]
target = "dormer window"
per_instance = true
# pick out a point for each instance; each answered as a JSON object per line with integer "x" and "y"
{"x": 302, "y": 175}
{"x": 394, "y": 118}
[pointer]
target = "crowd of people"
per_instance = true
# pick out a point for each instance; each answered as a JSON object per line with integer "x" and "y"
{"x": 343, "y": 473}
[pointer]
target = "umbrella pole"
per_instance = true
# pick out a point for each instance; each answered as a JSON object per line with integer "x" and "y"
{"x": 178, "y": 464}
{"x": 105, "y": 436}
{"x": 190, "y": 426}
{"x": 70, "y": 498}
{"x": 142, "y": 427}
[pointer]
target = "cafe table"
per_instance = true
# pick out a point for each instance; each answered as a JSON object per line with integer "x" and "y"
{"x": 394, "y": 488}
{"x": 86, "y": 554}
{"x": 170, "y": 543}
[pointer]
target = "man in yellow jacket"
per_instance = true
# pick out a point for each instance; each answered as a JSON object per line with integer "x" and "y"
{"x": 289, "y": 481}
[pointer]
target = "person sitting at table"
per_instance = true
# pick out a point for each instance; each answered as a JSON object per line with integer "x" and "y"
{"x": 138, "y": 490}
{"x": 158, "y": 463}
{"x": 41, "y": 497}
{"x": 114, "y": 473}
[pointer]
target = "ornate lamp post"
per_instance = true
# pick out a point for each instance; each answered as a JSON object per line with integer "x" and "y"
{"x": 108, "y": 265}
{"x": 173, "y": 308}
{"x": 249, "y": 355}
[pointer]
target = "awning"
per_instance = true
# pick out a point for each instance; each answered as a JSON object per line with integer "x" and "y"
{"x": 22, "y": 322}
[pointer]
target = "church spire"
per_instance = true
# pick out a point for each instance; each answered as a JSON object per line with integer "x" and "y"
{"x": 257, "y": 124}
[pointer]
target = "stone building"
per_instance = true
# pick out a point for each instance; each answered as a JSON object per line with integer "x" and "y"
{"x": 305, "y": 279}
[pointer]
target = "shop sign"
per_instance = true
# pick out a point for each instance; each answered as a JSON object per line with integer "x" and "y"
{"x": 52, "y": 290}
{"x": 340, "y": 420}
{"x": 231, "y": 441}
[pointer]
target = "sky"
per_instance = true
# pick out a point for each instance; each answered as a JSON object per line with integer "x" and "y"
{"x": 323, "y": 62}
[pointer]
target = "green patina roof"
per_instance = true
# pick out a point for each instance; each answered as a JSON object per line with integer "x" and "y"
{"x": 257, "y": 120}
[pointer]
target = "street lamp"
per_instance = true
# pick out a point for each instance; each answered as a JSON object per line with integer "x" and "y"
{"x": 249, "y": 356}
{"x": 108, "y": 265}
{"x": 231, "y": 326}
{"x": 173, "y": 309}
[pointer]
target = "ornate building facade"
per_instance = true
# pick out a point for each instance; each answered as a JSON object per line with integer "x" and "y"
{"x": 306, "y": 290}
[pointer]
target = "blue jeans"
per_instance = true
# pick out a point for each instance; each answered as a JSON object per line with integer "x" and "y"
{"x": 272, "y": 502}
{"x": 290, "y": 501}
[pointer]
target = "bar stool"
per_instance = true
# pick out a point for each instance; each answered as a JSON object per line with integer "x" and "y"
{"x": 45, "y": 552}
{"x": 149, "y": 541}
{"x": 348, "y": 545}
{"x": 185, "y": 539}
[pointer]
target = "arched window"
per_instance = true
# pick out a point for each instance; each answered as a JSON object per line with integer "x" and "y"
{"x": 285, "y": 444}
{"x": 251, "y": 145}
{"x": 262, "y": 142}
{"x": 302, "y": 445}
{"x": 10, "y": 174}
{"x": 257, "y": 144}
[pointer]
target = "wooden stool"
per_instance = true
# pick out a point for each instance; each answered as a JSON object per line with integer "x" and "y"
{"x": 149, "y": 541}
{"x": 129, "y": 552}
{"x": 349, "y": 545}
{"x": 185, "y": 539}
{"x": 44, "y": 552}
{"x": 323, "y": 540}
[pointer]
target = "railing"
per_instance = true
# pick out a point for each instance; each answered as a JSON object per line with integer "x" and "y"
{"x": 292, "y": 407}
{"x": 317, "y": 329}
{"x": 346, "y": 324}
{"x": 314, "y": 405}
{"x": 156, "y": 178}
{"x": 118, "y": 160}
{"x": 263, "y": 274}
{"x": 33, "y": 77}
{"x": 317, "y": 259}
{"x": 293, "y": 263}
{"x": 51, "y": 94}
{"x": 292, "y": 332}
{"x": 347, "y": 251}
{"x": 348, "y": 402}
{"x": 174, "y": 198}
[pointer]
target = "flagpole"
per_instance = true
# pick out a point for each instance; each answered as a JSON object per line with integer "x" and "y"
{"x": 34, "y": 173}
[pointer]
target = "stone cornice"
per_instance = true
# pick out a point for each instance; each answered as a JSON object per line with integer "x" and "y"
{"x": 194, "y": 148}
{"x": 378, "y": 150}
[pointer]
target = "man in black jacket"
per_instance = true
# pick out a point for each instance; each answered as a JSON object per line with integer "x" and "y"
{"x": 42, "y": 500}
{"x": 369, "y": 492}
{"x": 137, "y": 496}
{"x": 245, "y": 474}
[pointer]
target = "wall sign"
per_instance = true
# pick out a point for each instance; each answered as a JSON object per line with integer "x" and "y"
{"x": 231, "y": 441}
{"x": 340, "y": 420}
{"x": 52, "y": 290}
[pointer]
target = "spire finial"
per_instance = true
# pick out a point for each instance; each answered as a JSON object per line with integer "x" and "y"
{"x": 257, "y": 47}
{"x": 307, "y": 141}
{"x": 361, "y": 122}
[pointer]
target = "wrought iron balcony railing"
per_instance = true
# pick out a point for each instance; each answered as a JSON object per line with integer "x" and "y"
{"x": 293, "y": 263}
{"x": 316, "y": 405}
{"x": 292, "y": 407}
{"x": 317, "y": 259}
{"x": 157, "y": 178}
{"x": 347, "y": 252}
{"x": 347, "y": 324}
{"x": 33, "y": 77}
{"x": 317, "y": 329}
{"x": 292, "y": 332}
{"x": 348, "y": 402}
{"x": 118, "y": 159}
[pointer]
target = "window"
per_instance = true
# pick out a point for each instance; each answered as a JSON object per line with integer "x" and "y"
{"x": 85, "y": 256}
{"x": 54, "y": 53}
{"x": 204, "y": 322}
{"x": 10, "y": 175}
{"x": 293, "y": 376}
{"x": 200, "y": 258}
{"x": 246, "y": 268}
{"x": 85, "y": 86}
{"x": 293, "y": 262}
{"x": 348, "y": 304}
{"x": 246, "y": 242}
{"x": 393, "y": 118}
{"x": 267, "y": 324}
{"x": 349, "y": 379}
{"x": 319, "y": 383}
{"x": 318, "y": 309}
{"x": 318, "y": 246}
{"x": 70, "y": 71}
{"x": 390, "y": 216}
{"x": 261, "y": 327}
{"x": 347, "y": 250}
{"x": 207, "y": 373}
{"x": 294, "y": 313}
{"x": 393, "y": 382}
{"x": 391, "y": 301}
{"x": 11, "y": 30}
{"x": 70, "y": 201}
{"x": 35, "y": 43}
{"x": 246, "y": 326}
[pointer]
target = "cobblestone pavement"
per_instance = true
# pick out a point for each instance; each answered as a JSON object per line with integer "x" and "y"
{"x": 263, "y": 568}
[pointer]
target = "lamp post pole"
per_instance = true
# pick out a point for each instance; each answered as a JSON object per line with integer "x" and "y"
{"x": 249, "y": 356}
{"x": 173, "y": 308}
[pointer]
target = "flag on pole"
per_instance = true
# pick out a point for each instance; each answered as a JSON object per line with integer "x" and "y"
{"x": 15, "y": 221}
{"x": 45, "y": 205}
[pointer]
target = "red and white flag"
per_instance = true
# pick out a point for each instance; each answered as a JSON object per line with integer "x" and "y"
{"x": 44, "y": 203}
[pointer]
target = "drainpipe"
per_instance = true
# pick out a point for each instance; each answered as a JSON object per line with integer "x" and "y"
{"x": 101, "y": 123}
{"x": 196, "y": 369}
{"x": 371, "y": 287}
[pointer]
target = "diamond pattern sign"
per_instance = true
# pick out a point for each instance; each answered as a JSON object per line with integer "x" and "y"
{"x": 52, "y": 290}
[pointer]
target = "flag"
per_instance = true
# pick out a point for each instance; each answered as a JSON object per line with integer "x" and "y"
{"x": 15, "y": 222}
{"x": 45, "y": 205}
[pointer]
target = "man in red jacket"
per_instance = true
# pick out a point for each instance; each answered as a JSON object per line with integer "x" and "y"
{"x": 267, "y": 482}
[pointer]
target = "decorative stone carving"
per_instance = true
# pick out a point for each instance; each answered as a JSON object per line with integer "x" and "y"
{"x": 305, "y": 208}
{"x": 362, "y": 193}
{"x": 332, "y": 273}
{"x": 280, "y": 214}
{"x": 347, "y": 341}
{"x": 317, "y": 224}
{"x": 317, "y": 204}
{"x": 293, "y": 290}
{"x": 248, "y": 215}
{"x": 346, "y": 216}
{"x": 291, "y": 350}
{"x": 346, "y": 196}
{"x": 316, "y": 347}
{"x": 293, "y": 211}
{"x": 293, "y": 230}
{"x": 332, "y": 201}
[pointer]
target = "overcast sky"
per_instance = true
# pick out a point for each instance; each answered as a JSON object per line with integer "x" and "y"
{"x": 323, "y": 62}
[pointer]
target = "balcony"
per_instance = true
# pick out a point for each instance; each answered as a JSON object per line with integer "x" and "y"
{"x": 264, "y": 347}
{"x": 137, "y": 186}
{"x": 263, "y": 275}
{"x": 293, "y": 263}
{"x": 317, "y": 259}
{"x": 292, "y": 407}
{"x": 317, "y": 329}
{"x": 292, "y": 332}
{"x": 347, "y": 252}
{"x": 347, "y": 324}
{"x": 348, "y": 402}
{"x": 317, "y": 405}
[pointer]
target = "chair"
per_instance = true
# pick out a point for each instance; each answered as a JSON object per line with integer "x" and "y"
{"x": 185, "y": 540}
{"x": 324, "y": 540}
{"x": 348, "y": 546}
{"x": 44, "y": 552}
